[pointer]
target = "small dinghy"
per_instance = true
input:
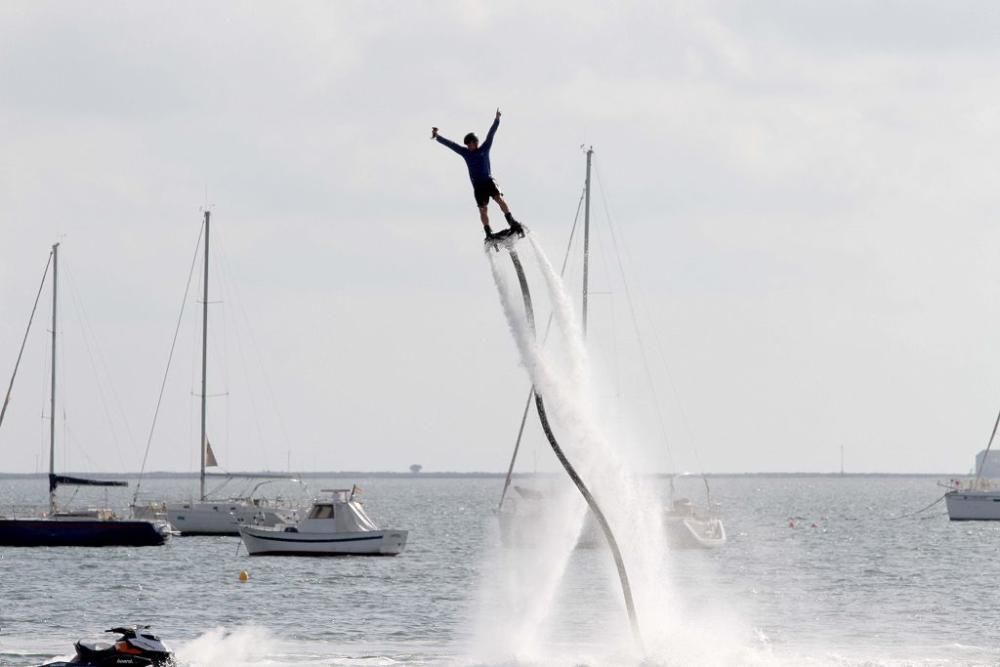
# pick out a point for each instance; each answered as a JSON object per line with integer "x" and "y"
{"x": 335, "y": 526}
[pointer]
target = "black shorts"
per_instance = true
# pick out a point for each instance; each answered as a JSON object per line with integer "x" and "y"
{"x": 483, "y": 190}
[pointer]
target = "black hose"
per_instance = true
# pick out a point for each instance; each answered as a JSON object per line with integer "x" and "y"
{"x": 577, "y": 480}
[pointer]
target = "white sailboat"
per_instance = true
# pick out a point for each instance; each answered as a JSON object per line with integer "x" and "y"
{"x": 207, "y": 516}
{"x": 973, "y": 500}
{"x": 693, "y": 526}
{"x": 976, "y": 499}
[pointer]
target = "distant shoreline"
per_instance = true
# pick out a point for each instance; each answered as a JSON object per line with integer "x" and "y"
{"x": 358, "y": 474}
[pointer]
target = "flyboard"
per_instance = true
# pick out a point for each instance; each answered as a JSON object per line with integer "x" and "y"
{"x": 507, "y": 240}
{"x": 504, "y": 238}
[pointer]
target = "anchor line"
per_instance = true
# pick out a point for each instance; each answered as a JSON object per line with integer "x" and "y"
{"x": 570, "y": 470}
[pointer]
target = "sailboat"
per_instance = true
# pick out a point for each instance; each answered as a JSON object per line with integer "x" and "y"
{"x": 80, "y": 528}
{"x": 687, "y": 525}
{"x": 690, "y": 525}
{"x": 206, "y": 516}
{"x": 976, "y": 499}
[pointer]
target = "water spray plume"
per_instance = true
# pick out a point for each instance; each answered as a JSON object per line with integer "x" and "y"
{"x": 543, "y": 381}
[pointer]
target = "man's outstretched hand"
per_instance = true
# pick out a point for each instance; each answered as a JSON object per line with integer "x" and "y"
{"x": 434, "y": 133}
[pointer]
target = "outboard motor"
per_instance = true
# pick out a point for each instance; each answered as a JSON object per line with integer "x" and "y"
{"x": 136, "y": 646}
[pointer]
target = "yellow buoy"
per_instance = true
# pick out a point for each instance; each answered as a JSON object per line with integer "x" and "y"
{"x": 244, "y": 576}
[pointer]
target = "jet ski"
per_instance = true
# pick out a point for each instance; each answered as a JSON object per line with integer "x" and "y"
{"x": 136, "y": 646}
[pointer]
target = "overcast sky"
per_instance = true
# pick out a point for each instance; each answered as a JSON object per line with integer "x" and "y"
{"x": 804, "y": 192}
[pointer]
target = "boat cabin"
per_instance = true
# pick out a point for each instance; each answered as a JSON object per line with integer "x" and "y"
{"x": 341, "y": 513}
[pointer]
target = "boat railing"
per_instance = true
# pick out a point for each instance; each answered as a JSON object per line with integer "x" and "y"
{"x": 23, "y": 511}
{"x": 971, "y": 484}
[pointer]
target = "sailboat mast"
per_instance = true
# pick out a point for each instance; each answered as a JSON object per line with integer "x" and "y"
{"x": 586, "y": 240}
{"x": 204, "y": 360}
{"x": 52, "y": 387}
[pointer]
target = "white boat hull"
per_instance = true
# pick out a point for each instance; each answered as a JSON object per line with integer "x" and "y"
{"x": 695, "y": 533}
{"x": 973, "y": 505}
{"x": 271, "y": 542}
{"x": 223, "y": 517}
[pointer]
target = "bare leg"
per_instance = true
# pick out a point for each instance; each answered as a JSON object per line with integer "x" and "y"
{"x": 515, "y": 226}
{"x": 503, "y": 205}
{"x": 484, "y": 218}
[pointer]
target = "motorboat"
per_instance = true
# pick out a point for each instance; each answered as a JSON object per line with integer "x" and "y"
{"x": 335, "y": 526}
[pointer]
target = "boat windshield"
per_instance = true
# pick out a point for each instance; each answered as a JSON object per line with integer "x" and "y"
{"x": 321, "y": 511}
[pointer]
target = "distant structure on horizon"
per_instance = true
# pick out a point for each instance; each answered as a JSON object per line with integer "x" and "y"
{"x": 991, "y": 467}
{"x": 415, "y": 468}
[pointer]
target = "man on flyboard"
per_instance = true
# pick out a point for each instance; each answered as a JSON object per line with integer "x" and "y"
{"x": 477, "y": 159}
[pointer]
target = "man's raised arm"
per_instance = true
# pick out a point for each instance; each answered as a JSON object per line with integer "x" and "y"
{"x": 493, "y": 130}
{"x": 461, "y": 150}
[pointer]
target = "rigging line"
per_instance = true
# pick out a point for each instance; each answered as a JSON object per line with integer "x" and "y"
{"x": 62, "y": 380}
{"x": 989, "y": 445}
{"x": 24, "y": 341}
{"x": 232, "y": 297}
{"x": 571, "y": 471}
{"x": 904, "y": 516}
{"x": 239, "y": 309}
{"x": 658, "y": 349}
{"x": 88, "y": 337}
{"x": 170, "y": 357}
{"x": 545, "y": 336}
{"x": 192, "y": 405}
{"x": 223, "y": 282}
{"x": 231, "y": 292}
{"x": 635, "y": 321}
{"x": 255, "y": 347}
{"x": 70, "y": 440}
{"x": 45, "y": 386}
{"x": 596, "y": 241}
{"x": 219, "y": 344}
{"x": 102, "y": 364}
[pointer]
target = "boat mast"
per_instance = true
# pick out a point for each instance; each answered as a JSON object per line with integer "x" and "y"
{"x": 52, "y": 388}
{"x": 204, "y": 359}
{"x": 586, "y": 240}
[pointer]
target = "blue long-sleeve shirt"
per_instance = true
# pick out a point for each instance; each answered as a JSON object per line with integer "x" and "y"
{"x": 478, "y": 161}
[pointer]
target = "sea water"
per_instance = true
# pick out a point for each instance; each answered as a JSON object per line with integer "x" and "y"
{"x": 818, "y": 570}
